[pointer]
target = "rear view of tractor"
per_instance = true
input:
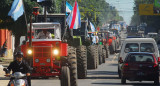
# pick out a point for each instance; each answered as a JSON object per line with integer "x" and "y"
{"x": 87, "y": 54}
{"x": 104, "y": 37}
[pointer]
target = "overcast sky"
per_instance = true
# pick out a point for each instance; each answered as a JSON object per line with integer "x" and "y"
{"x": 125, "y": 8}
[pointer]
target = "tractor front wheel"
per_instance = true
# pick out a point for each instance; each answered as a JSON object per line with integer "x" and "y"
{"x": 65, "y": 76}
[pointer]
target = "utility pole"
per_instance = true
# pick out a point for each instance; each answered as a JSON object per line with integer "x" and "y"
{"x": 45, "y": 13}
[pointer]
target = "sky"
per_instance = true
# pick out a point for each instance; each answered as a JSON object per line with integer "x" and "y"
{"x": 125, "y": 8}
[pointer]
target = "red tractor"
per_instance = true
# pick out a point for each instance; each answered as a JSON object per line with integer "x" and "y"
{"x": 104, "y": 40}
{"x": 51, "y": 57}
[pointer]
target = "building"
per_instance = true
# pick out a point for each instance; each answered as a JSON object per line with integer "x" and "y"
{"x": 6, "y": 35}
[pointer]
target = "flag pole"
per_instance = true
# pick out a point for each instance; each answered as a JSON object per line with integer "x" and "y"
{"x": 25, "y": 18}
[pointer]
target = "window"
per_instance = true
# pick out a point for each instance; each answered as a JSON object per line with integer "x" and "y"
{"x": 140, "y": 58}
{"x": 147, "y": 47}
{"x": 133, "y": 47}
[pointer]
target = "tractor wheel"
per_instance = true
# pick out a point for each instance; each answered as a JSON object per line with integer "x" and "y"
{"x": 104, "y": 55}
{"x": 107, "y": 51}
{"x": 72, "y": 61}
{"x": 82, "y": 62}
{"x": 91, "y": 57}
{"x": 112, "y": 48}
{"x": 100, "y": 52}
{"x": 96, "y": 54}
{"x": 65, "y": 76}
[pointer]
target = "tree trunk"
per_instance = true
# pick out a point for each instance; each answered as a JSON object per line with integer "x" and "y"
{"x": 17, "y": 45}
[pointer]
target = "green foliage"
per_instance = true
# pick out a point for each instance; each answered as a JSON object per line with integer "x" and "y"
{"x": 97, "y": 11}
{"x": 17, "y": 27}
{"x": 152, "y": 21}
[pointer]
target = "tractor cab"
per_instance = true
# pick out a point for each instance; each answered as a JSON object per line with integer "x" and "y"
{"x": 44, "y": 31}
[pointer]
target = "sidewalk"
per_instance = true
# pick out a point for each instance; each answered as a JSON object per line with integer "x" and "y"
{"x": 4, "y": 62}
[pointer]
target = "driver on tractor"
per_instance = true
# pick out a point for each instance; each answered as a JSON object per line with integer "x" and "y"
{"x": 19, "y": 65}
{"x": 44, "y": 34}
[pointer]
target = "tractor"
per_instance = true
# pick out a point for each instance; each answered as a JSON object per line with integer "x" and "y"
{"x": 51, "y": 57}
{"x": 81, "y": 40}
{"x": 104, "y": 38}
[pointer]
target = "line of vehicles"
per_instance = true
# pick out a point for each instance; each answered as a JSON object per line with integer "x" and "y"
{"x": 69, "y": 53}
{"x": 139, "y": 60}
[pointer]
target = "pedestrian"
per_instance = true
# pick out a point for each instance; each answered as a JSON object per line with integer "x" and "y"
{"x": 4, "y": 49}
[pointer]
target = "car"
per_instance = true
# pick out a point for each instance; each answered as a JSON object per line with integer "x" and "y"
{"x": 140, "y": 66}
{"x": 137, "y": 45}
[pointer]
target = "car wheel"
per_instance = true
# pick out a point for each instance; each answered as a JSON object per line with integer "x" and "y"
{"x": 156, "y": 81}
{"x": 123, "y": 80}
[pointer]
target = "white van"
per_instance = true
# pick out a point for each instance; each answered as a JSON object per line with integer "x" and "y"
{"x": 137, "y": 45}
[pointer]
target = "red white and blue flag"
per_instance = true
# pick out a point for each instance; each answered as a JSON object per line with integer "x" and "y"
{"x": 74, "y": 19}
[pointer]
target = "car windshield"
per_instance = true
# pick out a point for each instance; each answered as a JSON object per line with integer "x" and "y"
{"x": 147, "y": 47}
{"x": 139, "y": 58}
{"x": 133, "y": 47}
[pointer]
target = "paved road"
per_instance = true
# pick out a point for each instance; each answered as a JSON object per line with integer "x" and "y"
{"x": 105, "y": 75}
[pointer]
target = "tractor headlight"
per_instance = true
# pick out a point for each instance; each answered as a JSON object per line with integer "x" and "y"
{"x": 48, "y": 60}
{"x": 36, "y": 60}
{"x": 29, "y": 51}
{"x": 55, "y": 52}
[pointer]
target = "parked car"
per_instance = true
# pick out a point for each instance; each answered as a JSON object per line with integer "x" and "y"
{"x": 137, "y": 45}
{"x": 140, "y": 67}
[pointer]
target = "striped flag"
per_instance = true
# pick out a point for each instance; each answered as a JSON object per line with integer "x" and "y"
{"x": 74, "y": 19}
{"x": 92, "y": 27}
{"x": 40, "y": 0}
{"x": 16, "y": 9}
{"x": 68, "y": 7}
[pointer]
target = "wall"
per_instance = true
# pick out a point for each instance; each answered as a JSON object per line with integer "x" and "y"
{"x": 6, "y": 35}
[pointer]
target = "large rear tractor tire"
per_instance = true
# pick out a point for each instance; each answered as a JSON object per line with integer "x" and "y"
{"x": 72, "y": 61}
{"x": 112, "y": 48}
{"x": 65, "y": 76}
{"x": 100, "y": 52}
{"x": 107, "y": 51}
{"x": 91, "y": 57}
{"x": 104, "y": 55}
{"x": 82, "y": 62}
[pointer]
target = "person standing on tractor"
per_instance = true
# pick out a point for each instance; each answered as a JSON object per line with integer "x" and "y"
{"x": 44, "y": 34}
{"x": 19, "y": 65}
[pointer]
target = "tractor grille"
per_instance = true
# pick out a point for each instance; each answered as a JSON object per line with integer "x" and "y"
{"x": 40, "y": 51}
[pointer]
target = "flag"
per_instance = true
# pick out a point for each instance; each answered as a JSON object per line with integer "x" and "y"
{"x": 40, "y": 0}
{"x": 16, "y": 9}
{"x": 92, "y": 27}
{"x": 68, "y": 7}
{"x": 74, "y": 19}
{"x": 157, "y": 3}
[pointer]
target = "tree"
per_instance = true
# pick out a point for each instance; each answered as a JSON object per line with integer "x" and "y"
{"x": 18, "y": 27}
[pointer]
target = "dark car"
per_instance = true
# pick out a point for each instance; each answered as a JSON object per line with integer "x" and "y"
{"x": 140, "y": 67}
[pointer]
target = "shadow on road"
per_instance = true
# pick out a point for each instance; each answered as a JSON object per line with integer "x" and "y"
{"x": 133, "y": 84}
{"x": 99, "y": 77}
{"x": 113, "y": 65}
{"x": 102, "y": 73}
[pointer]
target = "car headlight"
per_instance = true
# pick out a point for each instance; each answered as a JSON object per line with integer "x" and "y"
{"x": 48, "y": 60}
{"x": 36, "y": 60}
{"x": 55, "y": 52}
{"x": 29, "y": 51}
